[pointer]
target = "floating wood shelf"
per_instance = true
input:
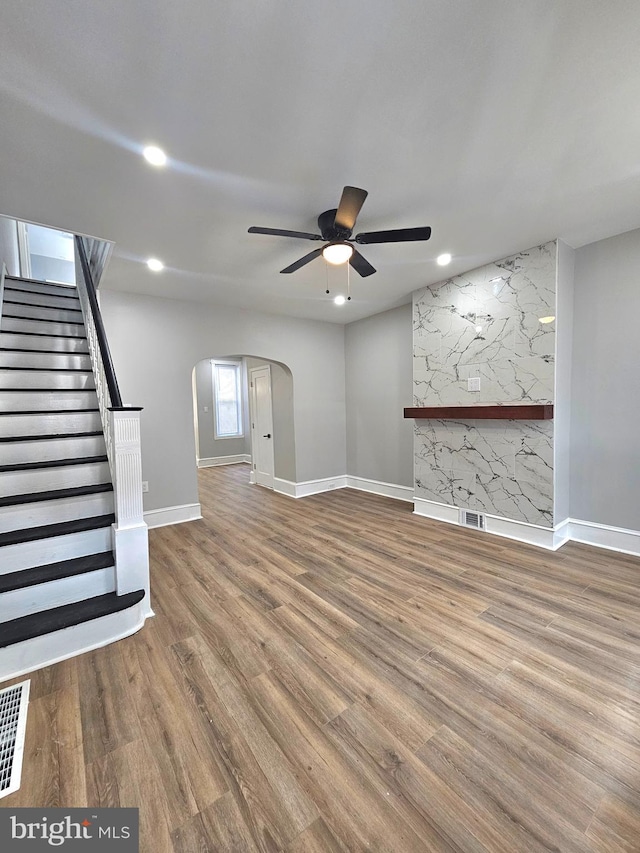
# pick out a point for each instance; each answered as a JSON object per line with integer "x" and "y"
{"x": 531, "y": 412}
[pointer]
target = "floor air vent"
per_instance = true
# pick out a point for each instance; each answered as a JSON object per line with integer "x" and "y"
{"x": 13, "y": 722}
{"x": 472, "y": 519}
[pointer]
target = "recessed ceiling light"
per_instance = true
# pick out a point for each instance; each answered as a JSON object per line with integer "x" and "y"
{"x": 339, "y": 300}
{"x": 443, "y": 259}
{"x": 337, "y": 253}
{"x": 155, "y": 265}
{"x": 546, "y": 319}
{"x": 154, "y": 155}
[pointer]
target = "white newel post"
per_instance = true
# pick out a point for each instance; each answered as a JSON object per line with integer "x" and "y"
{"x": 130, "y": 537}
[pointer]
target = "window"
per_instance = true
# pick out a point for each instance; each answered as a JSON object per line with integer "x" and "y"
{"x": 227, "y": 394}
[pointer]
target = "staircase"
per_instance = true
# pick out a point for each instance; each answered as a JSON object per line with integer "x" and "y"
{"x": 59, "y": 579}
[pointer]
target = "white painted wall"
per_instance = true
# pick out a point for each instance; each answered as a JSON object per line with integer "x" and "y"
{"x": 605, "y": 398}
{"x": 156, "y": 342}
{"x": 378, "y": 352}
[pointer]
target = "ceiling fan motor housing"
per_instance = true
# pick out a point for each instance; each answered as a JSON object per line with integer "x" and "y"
{"x": 328, "y": 228}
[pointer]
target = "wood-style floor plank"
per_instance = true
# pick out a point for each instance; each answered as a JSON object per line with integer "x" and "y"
{"x": 333, "y": 674}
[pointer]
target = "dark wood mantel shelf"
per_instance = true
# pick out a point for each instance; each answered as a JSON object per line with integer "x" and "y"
{"x": 531, "y": 412}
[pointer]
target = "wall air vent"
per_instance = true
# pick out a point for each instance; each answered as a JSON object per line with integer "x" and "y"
{"x": 472, "y": 519}
{"x": 13, "y": 722}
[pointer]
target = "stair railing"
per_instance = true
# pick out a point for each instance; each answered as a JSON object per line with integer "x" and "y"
{"x": 121, "y": 427}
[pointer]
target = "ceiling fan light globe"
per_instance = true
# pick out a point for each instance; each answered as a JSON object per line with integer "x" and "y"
{"x": 337, "y": 253}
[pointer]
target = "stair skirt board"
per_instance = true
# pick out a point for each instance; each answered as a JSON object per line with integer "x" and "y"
{"x": 52, "y": 479}
{"x": 56, "y": 593}
{"x": 49, "y": 424}
{"x": 41, "y": 327}
{"x": 53, "y": 380}
{"x": 47, "y": 450}
{"x": 52, "y": 313}
{"x": 54, "y": 549}
{"x": 47, "y": 401}
{"x": 38, "y": 513}
{"x": 44, "y": 360}
{"x": 35, "y": 285}
{"x": 43, "y": 343}
{"x": 39, "y": 652}
{"x": 43, "y": 300}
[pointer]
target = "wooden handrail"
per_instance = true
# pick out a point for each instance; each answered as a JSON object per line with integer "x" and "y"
{"x": 109, "y": 372}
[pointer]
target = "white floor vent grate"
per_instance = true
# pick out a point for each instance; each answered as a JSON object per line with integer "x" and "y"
{"x": 472, "y": 519}
{"x": 13, "y": 723}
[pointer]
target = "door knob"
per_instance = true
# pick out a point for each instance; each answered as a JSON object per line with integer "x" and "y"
{"x": 268, "y": 435}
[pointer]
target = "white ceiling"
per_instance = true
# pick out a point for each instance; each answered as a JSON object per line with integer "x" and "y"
{"x": 500, "y": 124}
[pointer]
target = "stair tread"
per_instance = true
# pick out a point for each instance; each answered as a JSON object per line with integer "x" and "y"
{"x": 36, "y": 305}
{"x": 48, "y": 412}
{"x": 44, "y": 369}
{"x": 12, "y": 438}
{"x": 42, "y": 319}
{"x": 49, "y": 284}
{"x": 55, "y": 494}
{"x": 47, "y": 621}
{"x": 52, "y": 463}
{"x": 49, "y": 390}
{"x": 11, "y": 286}
{"x": 55, "y": 571}
{"x": 61, "y": 528}
{"x": 43, "y": 334}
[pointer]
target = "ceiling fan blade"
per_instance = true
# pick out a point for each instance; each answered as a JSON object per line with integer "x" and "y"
{"x": 360, "y": 264}
{"x": 349, "y": 207}
{"x": 307, "y": 259}
{"x": 280, "y": 232}
{"x": 397, "y": 235}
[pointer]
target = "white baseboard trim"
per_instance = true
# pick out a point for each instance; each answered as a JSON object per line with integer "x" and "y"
{"x": 604, "y": 536}
{"x": 172, "y": 515}
{"x": 308, "y": 487}
{"x": 214, "y": 461}
{"x": 376, "y": 487}
{"x": 521, "y": 531}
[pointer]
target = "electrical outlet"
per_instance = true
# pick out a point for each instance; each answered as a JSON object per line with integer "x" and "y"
{"x": 473, "y": 383}
{"x": 145, "y": 485}
{"x": 206, "y": 408}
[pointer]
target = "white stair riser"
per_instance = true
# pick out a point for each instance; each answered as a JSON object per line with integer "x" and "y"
{"x": 39, "y": 513}
{"x": 53, "y": 379}
{"x": 14, "y": 452}
{"x": 45, "y": 596}
{"x": 45, "y": 360}
{"x": 39, "y": 312}
{"x": 41, "y": 327}
{"x": 46, "y": 343}
{"x": 43, "y": 401}
{"x": 45, "y": 424}
{"x": 43, "y": 287}
{"x": 32, "y": 298}
{"x": 41, "y": 552}
{"x": 20, "y": 658}
{"x": 48, "y": 479}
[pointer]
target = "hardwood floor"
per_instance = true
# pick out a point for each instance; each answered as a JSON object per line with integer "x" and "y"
{"x": 335, "y": 674}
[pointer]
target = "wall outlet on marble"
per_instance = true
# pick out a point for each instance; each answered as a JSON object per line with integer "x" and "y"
{"x": 473, "y": 383}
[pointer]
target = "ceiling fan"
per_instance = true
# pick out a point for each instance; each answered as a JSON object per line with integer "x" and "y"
{"x": 336, "y": 226}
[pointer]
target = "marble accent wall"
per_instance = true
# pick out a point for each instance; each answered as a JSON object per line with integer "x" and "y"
{"x": 485, "y": 324}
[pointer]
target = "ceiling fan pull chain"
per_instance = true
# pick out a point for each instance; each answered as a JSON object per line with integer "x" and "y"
{"x": 348, "y": 282}
{"x": 326, "y": 269}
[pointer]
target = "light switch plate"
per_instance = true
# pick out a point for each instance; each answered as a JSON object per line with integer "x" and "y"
{"x": 473, "y": 383}
{"x": 145, "y": 486}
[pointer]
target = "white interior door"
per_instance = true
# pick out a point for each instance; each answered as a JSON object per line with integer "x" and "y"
{"x": 261, "y": 425}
